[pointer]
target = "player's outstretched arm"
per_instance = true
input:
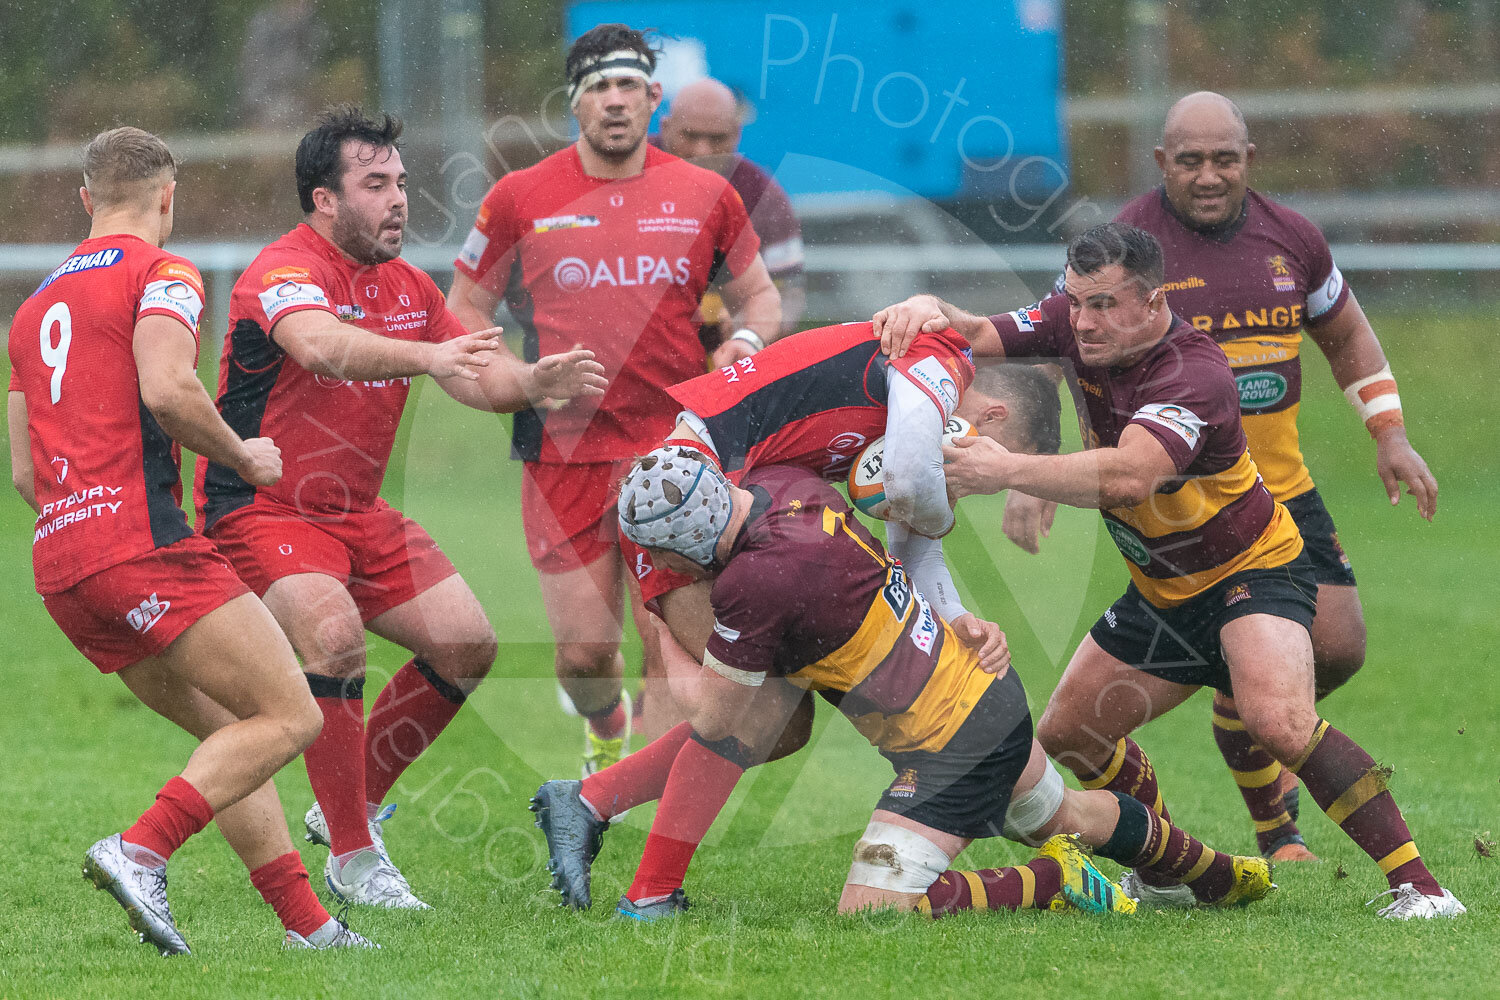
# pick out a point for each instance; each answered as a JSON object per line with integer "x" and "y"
{"x": 22, "y": 472}
{"x": 164, "y": 354}
{"x": 1360, "y": 368}
{"x": 1098, "y": 478}
{"x": 755, "y": 304}
{"x": 898, "y": 325}
{"x": 510, "y": 384}
{"x": 317, "y": 341}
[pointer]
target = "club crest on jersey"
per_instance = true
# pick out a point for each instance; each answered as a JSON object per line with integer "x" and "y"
{"x": 83, "y": 262}
{"x": 1281, "y": 275}
{"x": 59, "y": 468}
{"x": 1239, "y": 592}
{"x": 553, "y": 222}
{"x": 905, "y": 785}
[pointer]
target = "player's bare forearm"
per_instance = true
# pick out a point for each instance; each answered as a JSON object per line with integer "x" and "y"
{"x": 1349, "y": 342}
{"x": 22, "y": 471}
{"x": 793, "y": 291}
{"x": 1098, "y": 478}
{"x": 471, "y": 302}
{"x": 755, "y": 303}
{"x": 317, "y": 341}
{"x": 188, "y": 416}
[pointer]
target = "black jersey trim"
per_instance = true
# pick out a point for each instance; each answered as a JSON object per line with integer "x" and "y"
{"x": 253, "y": 367}
{"x": 163, "y": 478}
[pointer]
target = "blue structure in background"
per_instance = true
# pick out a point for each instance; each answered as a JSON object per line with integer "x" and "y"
{"x": 944, "y": 101}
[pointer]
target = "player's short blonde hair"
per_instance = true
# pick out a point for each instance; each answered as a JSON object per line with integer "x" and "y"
{"x": 119, "y": 163}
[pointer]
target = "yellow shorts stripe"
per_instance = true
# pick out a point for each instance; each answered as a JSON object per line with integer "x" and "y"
{"x": 1267, "y": 825}
{"x": 1115, "y": 763}
{"x": 1028, "y": 887}
{"x": 1224, "y": 722}
{"x": 1400, "y": 856}
{"x": 1259, "y": 778}
{"x": 980, "y": 897}
{"x": 1312, "y": 744}
{"x": 1369, "y": 785}
{"x": 1200, "y": 866}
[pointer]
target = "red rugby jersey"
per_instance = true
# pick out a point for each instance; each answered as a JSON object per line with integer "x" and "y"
{"x": 335, "y": 436}
{"x": 619, "y": 267}
{"x": 106, "y": 474}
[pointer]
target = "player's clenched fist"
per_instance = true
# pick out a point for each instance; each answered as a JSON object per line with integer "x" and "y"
{"x": 464, "y": 356}
{"x": 898, "y": 325}
{"x": 262, "y": 463}
{"x": 568, "y": 375}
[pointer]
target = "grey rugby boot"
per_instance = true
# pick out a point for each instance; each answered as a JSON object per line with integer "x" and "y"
{"x": 317, "y": 827}
{"x": 142, "y": 891}
{"x": 369, "y": 879}
{"x": 334, "y": 934}
{"x": 574, "y": 838}
{"x": 649, "y": 912}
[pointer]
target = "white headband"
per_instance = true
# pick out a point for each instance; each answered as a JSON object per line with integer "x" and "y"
{"x": 674, "y": 500}
{"x": 616, "y": 64}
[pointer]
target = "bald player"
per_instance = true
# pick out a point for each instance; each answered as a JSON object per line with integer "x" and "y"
{"x": 1254, "y": 275}
{"x": 704, "y": 126}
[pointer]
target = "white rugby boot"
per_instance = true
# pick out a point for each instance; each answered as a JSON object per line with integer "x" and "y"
{"x": 369, "y": 879}
{"x": 317, "y": 827}
{"x": 334, "y": 934}
{"x": 140, "y": 889}
{"x": 1412, "y": 904}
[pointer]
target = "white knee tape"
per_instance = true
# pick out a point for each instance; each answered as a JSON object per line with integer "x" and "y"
{"x": 1032, "y": 811}
{"x": 895, "y": 858}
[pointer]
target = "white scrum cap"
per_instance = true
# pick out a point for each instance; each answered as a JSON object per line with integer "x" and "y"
{"x": 675, "y": 500}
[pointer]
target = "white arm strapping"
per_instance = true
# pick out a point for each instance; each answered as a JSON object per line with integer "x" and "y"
{"x": 914, "y": 482}
{"x": 923, "y": 559}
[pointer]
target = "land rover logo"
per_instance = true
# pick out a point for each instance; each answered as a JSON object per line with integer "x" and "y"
{"x": 1130, "y": 546}
{"x": 1259, "y": 390}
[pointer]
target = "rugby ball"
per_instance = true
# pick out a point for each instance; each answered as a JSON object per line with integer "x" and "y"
{"x": 867, "y": 475}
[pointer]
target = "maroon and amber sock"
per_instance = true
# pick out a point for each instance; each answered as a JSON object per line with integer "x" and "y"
{"x": 609, "y": 722}
{"x": 1129, "y": 772}
{"x": 178, "y": 813}
{"x": 283, "y": 884}
{"x": 413, "y": 708}
{"x": 1024, "y": 887}
{"x": 1165, "y": 855}
{"x": 699, "y": 784}
{"x": 1257, "y": 773}
{"x": 641, "y": 777}
{"x": 1350, "y": 788}
{"x": 336, "y": 760}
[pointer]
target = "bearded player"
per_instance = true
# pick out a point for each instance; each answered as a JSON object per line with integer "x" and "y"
{"x": 801, "y": 590}
{"x": 328, "y": 327}
{"x": 103, "y": 390}
{"x": 611, "y": 244}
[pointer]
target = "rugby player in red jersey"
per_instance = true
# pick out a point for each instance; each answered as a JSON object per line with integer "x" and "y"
{"x": 609, "y": 243}
{"x": 800, "y": 590}
{"x": 1221, "y": 590}
{"x": 328, "y": 326}
{"x": 812, "y": 400}
{"x": 103, "y": 390}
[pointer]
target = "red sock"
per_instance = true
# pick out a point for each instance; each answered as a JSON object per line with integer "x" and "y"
{"x": 697, "y": 788}
{"x": 283, "y": 883}
{"x": 413, "y": 708}
{"x": 1259, "y": 776}
{"x": 336, "y": 760}
{"x": 641, "y": 777}
{"x": 1351, "y": 789}
{"x": 609, "y": 723}
{"x": 1029, "y": 886}
{"x": 178, "y": 813}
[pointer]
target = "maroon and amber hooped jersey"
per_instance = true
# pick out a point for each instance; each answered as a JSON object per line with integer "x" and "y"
{"x": 1253, "y": 286}
{"x": 810, "y": 595}
{"x": 619, "y": 267}
{"x": 1216, "y": 517}
{"x": 106, "y": 474}
{"x": 816, "y": 398}
{"x": 335, "y": 436}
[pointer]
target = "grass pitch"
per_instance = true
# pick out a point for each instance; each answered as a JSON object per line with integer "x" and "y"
{"x": 82, "y": 759}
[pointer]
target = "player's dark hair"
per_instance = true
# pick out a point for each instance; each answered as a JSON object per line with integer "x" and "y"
{"x": 116, "y": 161}
{"x": 320, "y": 162}
{"x": 603, "y": 39}
{"x": 1136, "y": 251}
{"x": 1032, "y": 397}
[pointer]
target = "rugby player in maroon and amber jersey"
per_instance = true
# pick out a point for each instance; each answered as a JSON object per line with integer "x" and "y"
{"x": 1221, "y": 592}
{"x": 328, "y": 327}
{"x": 103, "y": 391}
{"x": 801, "y": 591}
{"x": 703, "y": 126}
{"x": 609, "y": 244}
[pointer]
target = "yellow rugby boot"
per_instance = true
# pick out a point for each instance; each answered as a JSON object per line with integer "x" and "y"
{"x": 1084, "y": 886}
{"x": 1252, "y": 882}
